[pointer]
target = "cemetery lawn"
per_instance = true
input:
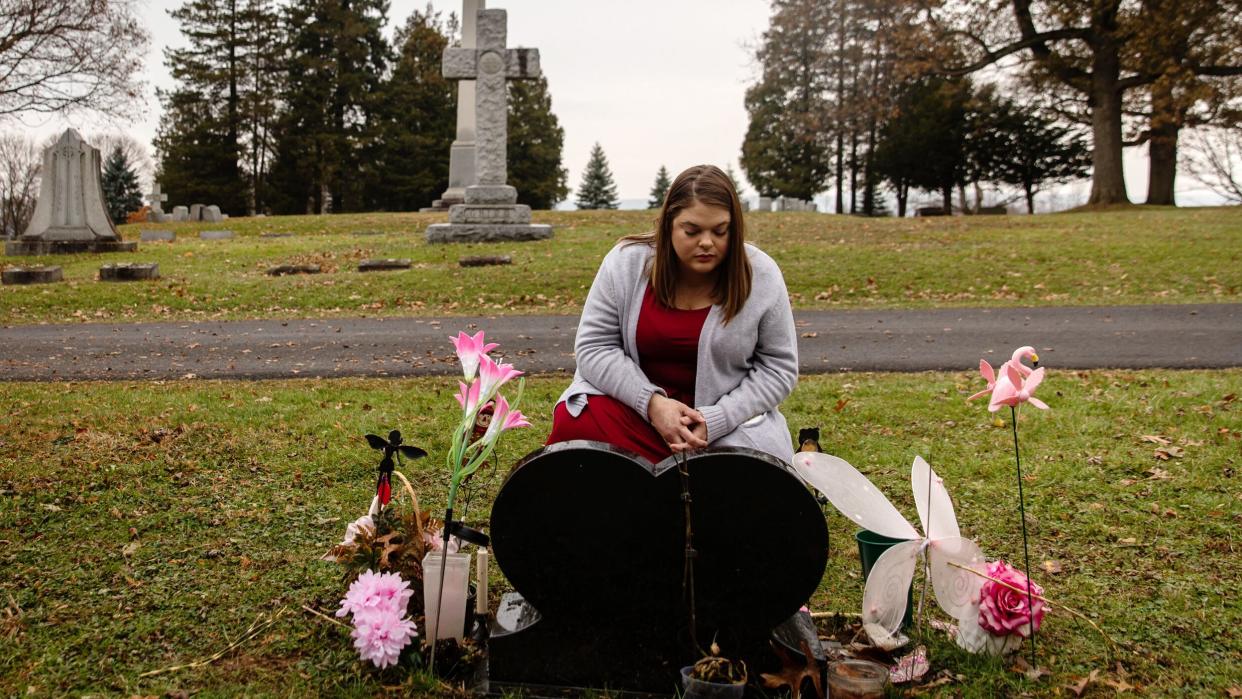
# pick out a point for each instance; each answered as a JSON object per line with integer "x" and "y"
{"x": 1138, "y": 255}
{"x": 147, "y": 525}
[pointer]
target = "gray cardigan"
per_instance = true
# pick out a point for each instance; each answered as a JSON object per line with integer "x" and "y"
{"x": 745, "y": 369}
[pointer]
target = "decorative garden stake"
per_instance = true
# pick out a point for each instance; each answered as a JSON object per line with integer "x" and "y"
{"x": 1014, "y": 385}
{"x": 950, "y": 556}
{"x": 391, "y": 447}
{"x": 483, "y": 380}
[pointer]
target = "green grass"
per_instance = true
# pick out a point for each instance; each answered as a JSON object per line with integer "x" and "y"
{"x": 226, "y": 493}
{"x": 1133, "y": 256}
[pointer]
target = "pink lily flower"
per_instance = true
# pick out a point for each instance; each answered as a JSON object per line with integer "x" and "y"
{"x": 504, "y": 419}
{"x": 1012, "y": 390}
{"x": 468, "y": 396}
{"x": 493, "y": 376}
{"x": 470, "y": 350}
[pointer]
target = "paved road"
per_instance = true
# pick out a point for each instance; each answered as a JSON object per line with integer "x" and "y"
{"x": 1187, "y": 336}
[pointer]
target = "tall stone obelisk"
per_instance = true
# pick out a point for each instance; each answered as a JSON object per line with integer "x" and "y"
{"x": 461, "y": 153}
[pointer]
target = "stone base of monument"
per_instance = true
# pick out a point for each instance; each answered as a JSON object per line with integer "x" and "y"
{"x": 384, "y": 265}
{"x": 129, "y": 272}
{"x": 486, "y": 232}
{"x": 157, "y": 236}
{"x": 31, "y": 275}
{"x": 593, "y": 540}
{"x": 441, "y": 205}
{"x": 67, "y": 247}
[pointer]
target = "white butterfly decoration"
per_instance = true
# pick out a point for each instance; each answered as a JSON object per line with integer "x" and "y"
{"x": 884, "y": 596}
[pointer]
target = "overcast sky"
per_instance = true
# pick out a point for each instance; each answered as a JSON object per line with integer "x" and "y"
{"x": 656, "y": 82}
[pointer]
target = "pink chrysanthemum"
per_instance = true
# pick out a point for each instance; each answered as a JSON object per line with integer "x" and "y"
{"x": 371, "y": 592}
{"x": 380, "y": 636}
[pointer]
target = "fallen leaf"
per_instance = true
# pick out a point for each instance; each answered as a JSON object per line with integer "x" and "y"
{"x": 130, "y": 549}
{"x": 1021, "y": 665}
{"x": 794, "y": 670}
{"x": 1081, "y": 686}
{"x": 1165, "y": 453}
{"x": 810, "y": 334}
{"x": 1234, "y": 692}
{"x": 1128, "y": 541}
{"x": 840, "y": 405}
{"x": 1119, "y": 685}
{"x": 1051, "y": 566}
{"x": 51, "y": 507}
{"x": 1158, "y": 474}
{"x": 1154, "y": 439}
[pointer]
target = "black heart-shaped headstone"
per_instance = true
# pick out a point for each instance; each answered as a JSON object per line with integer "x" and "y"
{"x": 593, "y": 537}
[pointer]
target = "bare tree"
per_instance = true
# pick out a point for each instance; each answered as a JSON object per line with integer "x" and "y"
{"x": 1215, "y": 159}
{"x": 20, "y": 162}
{"x": 66, "y": 55}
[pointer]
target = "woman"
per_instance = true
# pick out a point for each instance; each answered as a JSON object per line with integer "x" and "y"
{"x": 687, "y": 315}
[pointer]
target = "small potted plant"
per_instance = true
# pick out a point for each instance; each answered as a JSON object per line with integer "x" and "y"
{"x": 714, "y": 676}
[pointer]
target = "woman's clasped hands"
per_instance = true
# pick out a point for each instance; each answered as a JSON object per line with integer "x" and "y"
{"x": 679, "y": 425}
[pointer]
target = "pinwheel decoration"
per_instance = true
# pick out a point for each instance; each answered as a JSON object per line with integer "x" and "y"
{"x": 950, "y": 558}
{"x": 391, "y": 448}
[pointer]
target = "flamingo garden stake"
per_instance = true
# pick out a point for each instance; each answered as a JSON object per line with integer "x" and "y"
{"x": 1014, "y": 385}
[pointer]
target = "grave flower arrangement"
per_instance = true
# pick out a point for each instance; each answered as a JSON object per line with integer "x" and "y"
{"x": 383, "y": 551}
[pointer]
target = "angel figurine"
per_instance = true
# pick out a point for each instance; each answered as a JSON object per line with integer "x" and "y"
{"x": 949, "y": 557}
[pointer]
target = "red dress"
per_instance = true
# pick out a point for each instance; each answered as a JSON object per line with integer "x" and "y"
{"x": 668, "y": 352}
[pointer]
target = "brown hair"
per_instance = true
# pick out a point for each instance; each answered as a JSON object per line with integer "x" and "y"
{"x": 709, "y": 185}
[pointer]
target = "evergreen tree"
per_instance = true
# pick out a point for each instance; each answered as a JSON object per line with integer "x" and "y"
{"x": 659, "y": 190}
{"x": 536, "y": 140}
{"x": 120, "y": 186}
{"x": 226, "y": 71}
{"x": 924, "y": 144}
{"x": 329, "y": 128}
{"x": 1039, "y": 151}
{"x": 416, "y": 119}
{"x": 597, "y": 190}
{"x": 737, "y": 184}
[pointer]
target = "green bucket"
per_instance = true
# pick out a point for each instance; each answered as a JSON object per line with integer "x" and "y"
{"x": 870, "y": 547}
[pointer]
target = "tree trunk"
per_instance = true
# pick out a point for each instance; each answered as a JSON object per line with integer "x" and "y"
{"x": 903, "y": 195}
{"x": 948, "y": 199}
{"x": 1108, "y": 183}
{"x": 1030, "y": 198}
{"x": 854, "y": 171}
{"x": 840, "y": 112}
{"x": 961, "y": 199}
{"x": 1162, "y": 148}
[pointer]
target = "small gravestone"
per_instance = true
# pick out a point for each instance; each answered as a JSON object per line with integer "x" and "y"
{"x": 32, "y": 275}
{"x": 593, "y": 541}
{"x": 196, "y": 212}
{"x": 275, "y": 235}
{"x": 383, "y": 264}
{"x": 368, "y": 233}
{"x": 211, "y": 214}
{"x": 282, "y": 270}
{"x": 157, "y": 199}
{"x": 71, "y": 215}
{"x": 180, "y": 213}
{"x": 993, "y": 210}
{"x": 930, "y": 211}
{"x": 764, "y": 204}
{"x": 485, "y": 260}
{"x": 129, "y": 272}
{"x": 215, "y": 235}
{"x": 157, "y": 236}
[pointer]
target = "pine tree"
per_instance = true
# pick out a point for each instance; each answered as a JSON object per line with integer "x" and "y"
{"x": 597, "y": 190}
{"x": 536, "y": 140}
{"x": 227, "y": 71}
{"x": 416, "y": 119}
{"x": 329, "y": 129}
{"x": 120, "y": 186}
{"x": 659, "y": 190}
{"x": 737, "y": 184}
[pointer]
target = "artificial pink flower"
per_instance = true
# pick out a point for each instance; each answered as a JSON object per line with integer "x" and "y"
{"x": 504, "y": 419}
{"x": 468, "y": 396}
{"x": 1003, "y": 611}
{"x": 1012, "y": 390}
{"x": 493, "y": 376}
{"x": 435, "y": 541}
{"x": 985, "y": 370}
{"x": 385, "y": 592}
{"x": 380, "y": 636}
{"x": 470, "y": 350}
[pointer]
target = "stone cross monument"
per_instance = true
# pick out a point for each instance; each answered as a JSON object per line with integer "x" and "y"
{"x": 156, "y": 200}
{"x": 491, "y": 211}
{"x": 461, "y": 153}
{"x": 71, "y": 215}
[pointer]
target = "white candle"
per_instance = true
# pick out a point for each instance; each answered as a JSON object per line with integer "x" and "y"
{"x": 480, "y": 602}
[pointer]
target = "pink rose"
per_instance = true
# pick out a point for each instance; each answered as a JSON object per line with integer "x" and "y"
{"x": 1004, "y": 611}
